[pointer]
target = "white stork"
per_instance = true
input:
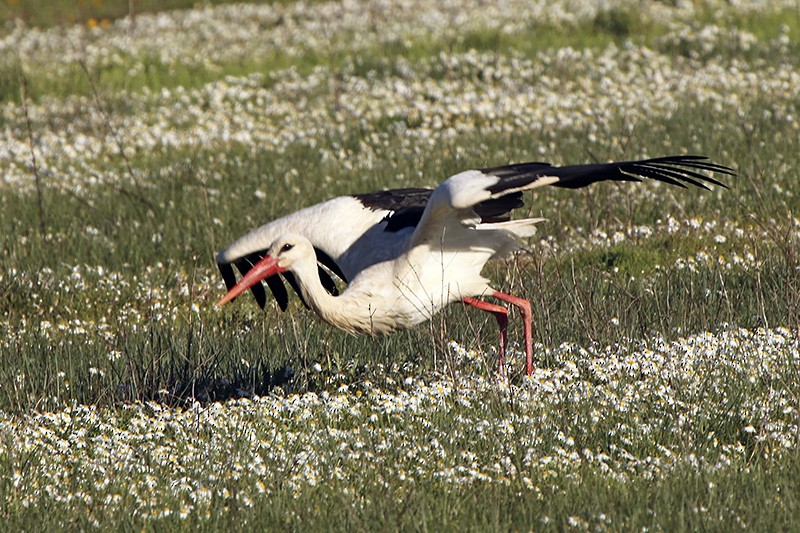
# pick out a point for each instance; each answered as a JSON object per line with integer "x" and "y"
{"x": 408, "y": 253}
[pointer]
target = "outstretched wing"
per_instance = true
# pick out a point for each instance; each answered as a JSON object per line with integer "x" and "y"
{"x": 678, "y": 170}
{"x": 462, "y": 198}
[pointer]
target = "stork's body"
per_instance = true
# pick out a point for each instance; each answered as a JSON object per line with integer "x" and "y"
{"x": 430, "y": 266}
{"x": 406, "y": 264}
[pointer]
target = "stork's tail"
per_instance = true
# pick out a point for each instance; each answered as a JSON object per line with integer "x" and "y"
{"x": 522, "y": 228}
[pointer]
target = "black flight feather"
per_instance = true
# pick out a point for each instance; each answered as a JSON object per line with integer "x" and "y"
{"x": 395, "y": 199}
{"x": 293, "y": 282}
{"x": 328, "y": 262}
{"x": 226, "y": 269}
{"x": 327, "y": 281}
{"x": 244, "y": 265}
{"x": 678, "y": 170}
{"x": 278, "y": 290}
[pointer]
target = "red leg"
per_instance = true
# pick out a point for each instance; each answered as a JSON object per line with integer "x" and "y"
{"x": 501, "y": 314}
{"x": 527, "y": 317}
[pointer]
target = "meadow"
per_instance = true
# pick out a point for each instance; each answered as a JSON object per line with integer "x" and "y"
{"x": 666, "y": 387}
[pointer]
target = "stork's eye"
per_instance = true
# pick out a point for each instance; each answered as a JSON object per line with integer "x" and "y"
{"x": 286, "y": 247}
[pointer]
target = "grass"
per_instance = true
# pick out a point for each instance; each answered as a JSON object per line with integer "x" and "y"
{"x": 688, "y": 504}
{"x": 126, "y": 72}
{"x": 92, "y": 12}
{"x": 666, "y": 320}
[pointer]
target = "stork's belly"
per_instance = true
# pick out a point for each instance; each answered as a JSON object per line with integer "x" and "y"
{"x": 402, "y": 314}
{"x": 414, "y": 307}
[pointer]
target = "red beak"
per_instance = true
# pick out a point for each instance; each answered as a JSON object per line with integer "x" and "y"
{"x": 268, "y": 266}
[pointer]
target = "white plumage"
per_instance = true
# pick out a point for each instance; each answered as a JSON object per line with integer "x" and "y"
{"x": 408, "y": 253}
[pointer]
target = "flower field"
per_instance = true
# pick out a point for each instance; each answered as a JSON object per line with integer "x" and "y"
{"x": 666, "y": 387}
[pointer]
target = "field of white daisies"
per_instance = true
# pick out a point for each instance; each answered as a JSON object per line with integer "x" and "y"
{"x": 666, "y": 387}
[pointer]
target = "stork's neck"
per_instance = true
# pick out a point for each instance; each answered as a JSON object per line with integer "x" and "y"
{"x": 346, "y": 311}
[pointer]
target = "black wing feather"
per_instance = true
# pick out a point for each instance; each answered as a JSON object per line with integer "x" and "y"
{"x": 226, "y": 269}
{"x": 696, "y": 161}
{"x": 407, "y": 217}
{"x": 405, "y": 205}
{"x": 517, "y": 175}
{"x": 700, "y": 177}
{"x": 517, "y": 169}
{"x": 330, "y": 264}
{"x": 279, "y": 291}
{"x": 244, "y": 265}
{"x": 327, "y": 282}
{"x": 293, "y": 282}
{"x": 494, "y": 210}
{"x": 395, "y": 199}
{"x": 667, "y": 177}
{"x": 675, "y": 170}
{"x": 499, "y": 209}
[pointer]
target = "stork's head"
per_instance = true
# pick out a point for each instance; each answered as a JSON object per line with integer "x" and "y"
{"x": 290, "y": 252}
